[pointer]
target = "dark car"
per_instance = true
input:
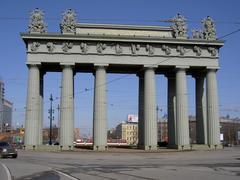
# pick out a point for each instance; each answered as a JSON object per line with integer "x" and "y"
{"x": 6, "y": 150}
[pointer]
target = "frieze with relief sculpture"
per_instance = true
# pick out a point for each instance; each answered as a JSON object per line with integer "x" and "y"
{"x": 84, "y": 47}
{"x": 66, "y": 46}
{"x": 101, "y": 47}
{"x": 118, "y": 49}
{"x": 150, "y": 49}
{"x": 212, "y": 51}
{"x": 181, "y": 50}
{"x": 197, "y": 50}
{"x": 166, "y": 49}
{"x": 134, "y": 48}
{"x": 50, "y": 46}
{"x": 35, "y": 46}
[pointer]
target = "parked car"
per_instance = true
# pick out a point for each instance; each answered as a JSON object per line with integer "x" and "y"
{"x": 6, "y": 150}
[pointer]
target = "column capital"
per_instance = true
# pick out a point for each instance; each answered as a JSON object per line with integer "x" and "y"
{"x": 150, "y": 66}
{"x": 181, "y": 67}
{"x": 67, "y": 64}
{"x": 33, "y": 65}
{"x": 100, "y": 65}
{"x": 213, "y": 68}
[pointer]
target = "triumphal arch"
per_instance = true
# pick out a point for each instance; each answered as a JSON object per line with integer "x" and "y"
{"x": 141, "y": 50}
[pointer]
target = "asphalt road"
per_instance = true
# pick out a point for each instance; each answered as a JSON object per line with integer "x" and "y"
{"x": 207, "y": 165}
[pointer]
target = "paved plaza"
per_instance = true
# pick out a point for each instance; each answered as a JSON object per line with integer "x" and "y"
{"x": 124, "y": 164}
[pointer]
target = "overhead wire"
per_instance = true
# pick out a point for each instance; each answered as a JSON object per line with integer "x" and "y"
{"x": 167, "y": 20}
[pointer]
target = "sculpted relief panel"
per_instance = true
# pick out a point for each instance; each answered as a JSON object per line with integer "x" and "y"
{"x": 126, "y": 49}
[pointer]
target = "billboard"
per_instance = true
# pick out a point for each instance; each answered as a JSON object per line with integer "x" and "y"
{"x": 221, "y": 137}
{"x": 238, "y": 135}
{"x": 132, "y": 118}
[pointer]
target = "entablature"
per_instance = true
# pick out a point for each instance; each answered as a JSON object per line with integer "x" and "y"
{"x": 134, "y": 46}
{"x": 122, "y": 45}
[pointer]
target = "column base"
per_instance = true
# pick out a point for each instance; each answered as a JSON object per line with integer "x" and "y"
{"x": 65, "y": 147}
{"x": 150, "y": 147}
{"x": 179, "y": 147}
{"x": 44, "y": 148}
{"x": 205, "y": 147}
{"x": 140, "y": 146}
{"x": 30, "y": 147}
{"x": 216, "y": 146}
{"x": 100, "y": 147}
{"x": 195, "y": 147}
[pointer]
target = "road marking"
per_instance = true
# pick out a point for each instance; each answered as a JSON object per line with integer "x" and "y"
{"x": 9, "y": 177}
{"x": 64, "y": 174}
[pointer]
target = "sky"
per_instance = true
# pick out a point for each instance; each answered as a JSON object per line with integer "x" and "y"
{"x": 123, "y": 91}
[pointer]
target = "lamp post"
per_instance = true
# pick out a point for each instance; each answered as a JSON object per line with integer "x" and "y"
{"x": 58, "y": 108}
{"x": 159, "y": 122}
{"x": 51, "y": 118}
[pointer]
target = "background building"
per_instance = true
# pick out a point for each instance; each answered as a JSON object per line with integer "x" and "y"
{"x": 128, "y": 131}
{"x": 5, "y": 111}
{"x": 111, "y": 134}
{"x": 230, "y": 129}
{"x": 76, "y": 133}
{"x": 162, "y": 129}
{"x": 7, "y": 115}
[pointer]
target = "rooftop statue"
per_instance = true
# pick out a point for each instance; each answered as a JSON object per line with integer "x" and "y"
{"x": 197, "y": 34}
{"x": 36, "y": 24}
{"x": 68, "y": 24}
{"x": 209, "y": 30}
{"x": 179, "y": 28}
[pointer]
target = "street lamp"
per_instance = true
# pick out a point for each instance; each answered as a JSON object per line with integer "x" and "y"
{"x": 51, "y": 118}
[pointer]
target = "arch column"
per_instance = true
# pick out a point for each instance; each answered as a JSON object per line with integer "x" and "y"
{"x": 150, "y": 119}
{"x": 182, "y": 124}
{"x": 41, "y": 107}
{"x": 171, "y": 110}
{"x": 212, "y": 109}
{"x": 100, "y": 109}
{"x": 200, "y": 98}
{"x": 31, "y": 138}
{"x": 67, "y": 108}
{"x": 141, "y": 111}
